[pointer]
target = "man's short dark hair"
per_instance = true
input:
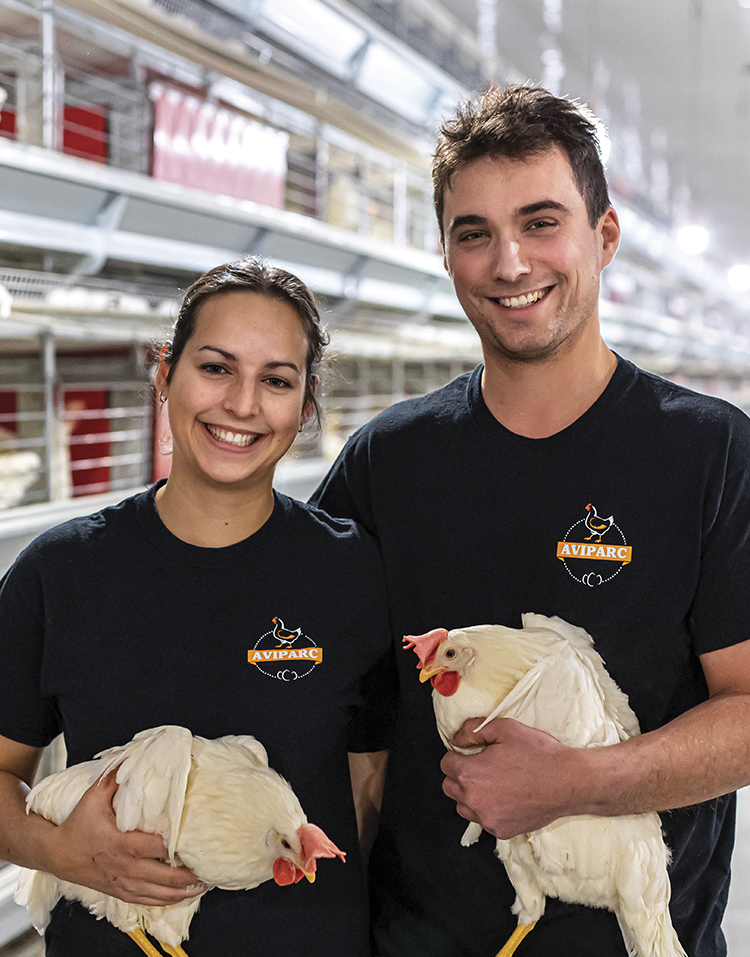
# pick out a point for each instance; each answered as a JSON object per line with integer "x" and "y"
{"x": 518, "y": 122}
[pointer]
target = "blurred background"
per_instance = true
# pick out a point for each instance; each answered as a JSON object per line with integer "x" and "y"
{"x": 144, "y": 141}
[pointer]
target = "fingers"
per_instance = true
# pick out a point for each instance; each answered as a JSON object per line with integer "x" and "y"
{"x": 499, "y": 731}
{"x": 155, "y": 889}
{"x": 468, "y": 736}
{"x": 130, "y": 865}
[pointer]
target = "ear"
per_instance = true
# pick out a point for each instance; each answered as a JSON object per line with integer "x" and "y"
{"x": 308, "y": 406}
{"x": 609, "y": 230}
{"x": 163, "y": 368}
{"x": 445, "y": 258}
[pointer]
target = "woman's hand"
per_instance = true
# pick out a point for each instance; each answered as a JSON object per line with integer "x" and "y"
{"x": 87, "y": 848}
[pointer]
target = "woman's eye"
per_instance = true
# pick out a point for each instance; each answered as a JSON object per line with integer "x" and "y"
{"x": 277, "y": 383}
{"x": 213, "y": 368}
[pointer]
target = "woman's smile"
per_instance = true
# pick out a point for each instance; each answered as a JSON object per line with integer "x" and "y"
{"x": 240, "y": 440}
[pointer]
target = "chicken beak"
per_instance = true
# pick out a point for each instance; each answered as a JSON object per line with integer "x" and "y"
{"x": 428, "y": 672}
{"x": 310, "y": 875}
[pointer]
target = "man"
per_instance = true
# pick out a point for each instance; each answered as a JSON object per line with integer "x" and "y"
{"x": 483, "y": 496}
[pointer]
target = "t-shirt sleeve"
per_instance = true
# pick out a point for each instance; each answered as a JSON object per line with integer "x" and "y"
{"x": 373, "y": 715}
{"x": 372, "y": 722}
{"x": 720, "y": 615}
{"x": 26, "y": 715}
{"x": 345, "y": 491}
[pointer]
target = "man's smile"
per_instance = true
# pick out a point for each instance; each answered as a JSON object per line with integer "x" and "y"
{"x": 526, "y": 299}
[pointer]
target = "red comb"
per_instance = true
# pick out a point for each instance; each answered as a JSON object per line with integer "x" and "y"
{"x": 316, "y": 843}
{"x": 426, "y": 646}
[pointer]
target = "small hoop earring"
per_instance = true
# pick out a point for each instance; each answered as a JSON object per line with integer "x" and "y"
{"x": 162, "y": 398}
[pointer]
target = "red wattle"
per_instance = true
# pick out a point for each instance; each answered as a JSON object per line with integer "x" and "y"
{"x": 446, "y": 683}
{"x": 284, "y": 872}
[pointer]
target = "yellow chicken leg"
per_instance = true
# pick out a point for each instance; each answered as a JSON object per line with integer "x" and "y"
{"x": 173, "y": 951}
{"x": 148, "y": 948}
{"x": 143, "y": 942}
{"x": 515, "y": 939}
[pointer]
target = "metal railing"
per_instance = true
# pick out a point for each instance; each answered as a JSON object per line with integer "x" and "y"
{"x": 72, "y": 439}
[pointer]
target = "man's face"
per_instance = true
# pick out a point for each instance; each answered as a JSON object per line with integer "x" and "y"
{"x": 524, "y": 260}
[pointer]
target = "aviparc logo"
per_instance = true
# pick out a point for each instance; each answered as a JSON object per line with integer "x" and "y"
{"x": 284, "y": 653}
{"x": 582, "y": 553}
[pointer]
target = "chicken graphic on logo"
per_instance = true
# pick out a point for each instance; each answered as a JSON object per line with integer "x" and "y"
{"x": 597, "y": 525}
{"x": 282, "y": 634}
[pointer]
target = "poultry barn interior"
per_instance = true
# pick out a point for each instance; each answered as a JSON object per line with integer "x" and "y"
{"x": 144, "y": 141}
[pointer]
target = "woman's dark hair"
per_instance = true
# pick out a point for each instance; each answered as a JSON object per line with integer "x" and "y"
{"x": 253, "y": 275}
{"x": 519, "y": 122}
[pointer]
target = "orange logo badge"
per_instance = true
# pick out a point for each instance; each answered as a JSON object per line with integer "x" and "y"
{"x": 591, "y": 541}
{"x": 285, "y": 653}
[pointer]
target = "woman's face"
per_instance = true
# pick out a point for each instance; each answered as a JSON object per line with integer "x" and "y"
{"x": 237, "y": 393}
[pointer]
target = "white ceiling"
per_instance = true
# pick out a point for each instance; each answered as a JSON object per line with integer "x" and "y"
{"x": 672, "y": 80}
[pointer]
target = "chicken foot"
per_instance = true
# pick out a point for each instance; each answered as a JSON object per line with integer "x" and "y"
{"x": 173, "y": 951}
{"x": 148, "y": 948}
{"x": 143, "y": 942}
{"x": 515, "y": 939}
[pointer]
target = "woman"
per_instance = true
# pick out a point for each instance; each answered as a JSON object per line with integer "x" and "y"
{"x": 167, "y": 608}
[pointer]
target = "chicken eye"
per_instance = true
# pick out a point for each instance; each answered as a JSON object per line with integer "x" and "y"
{"x": 450, "y": 653}
{"x": 287, "y": 845}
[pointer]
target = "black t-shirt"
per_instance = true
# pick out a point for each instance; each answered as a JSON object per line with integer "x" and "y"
{"x": 110, "y": 624}
{"x": 634, "y": 523}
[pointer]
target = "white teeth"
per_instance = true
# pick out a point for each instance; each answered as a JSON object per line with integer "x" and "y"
{"x": 233, "y": 438}
{"x": 516, "y": 302}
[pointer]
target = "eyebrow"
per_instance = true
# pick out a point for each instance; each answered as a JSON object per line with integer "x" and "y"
{"x": 474, "y": 219}
{"x": 470, "y": 219}
{"x": 231, "y": 357}
{"x": 532, "y": 208}
{"x": 222, "y": 352}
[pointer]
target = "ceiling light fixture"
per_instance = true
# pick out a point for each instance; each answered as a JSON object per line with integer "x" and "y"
{"x": 692, "y": 239}
{"x": 738, "y": 276}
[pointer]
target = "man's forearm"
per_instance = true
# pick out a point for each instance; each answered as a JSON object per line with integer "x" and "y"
{"x": 700, "y": 755}
{"x": 524, "y": 779}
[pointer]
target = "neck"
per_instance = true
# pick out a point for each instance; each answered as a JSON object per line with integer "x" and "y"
{"x": 212, "y": 518}
{"x": 539, "y": 399}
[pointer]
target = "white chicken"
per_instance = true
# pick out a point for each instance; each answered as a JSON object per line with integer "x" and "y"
{"x": 548, "y": 676}
{"x": 219, "y": 807}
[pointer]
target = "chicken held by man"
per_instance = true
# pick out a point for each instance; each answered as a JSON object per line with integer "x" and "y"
{"x": 548, "y": 676}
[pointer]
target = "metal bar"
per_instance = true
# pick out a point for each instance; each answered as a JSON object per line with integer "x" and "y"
{"x": 107, "y": 460}
{"x": 50, "y": 78}
{"x": 121, "y": 413}
{"x": 49, "y": 354}
{"x": 131, "y": 435}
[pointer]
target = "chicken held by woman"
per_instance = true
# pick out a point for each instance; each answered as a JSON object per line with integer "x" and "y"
{"x": 221, "y": 810}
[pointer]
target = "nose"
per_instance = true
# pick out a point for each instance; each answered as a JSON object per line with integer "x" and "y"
{"x": 509, "y": 260}
{"x": 242, "y": 398}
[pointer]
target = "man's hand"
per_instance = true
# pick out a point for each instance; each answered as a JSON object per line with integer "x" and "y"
{"x": 516, "y": 784}
{"x": 130, "y": 865}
